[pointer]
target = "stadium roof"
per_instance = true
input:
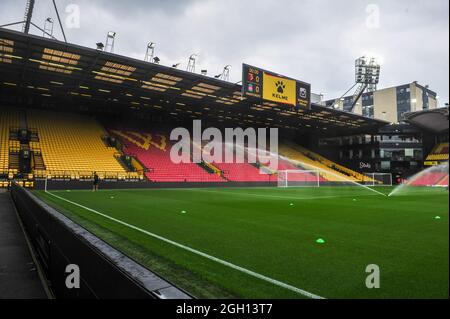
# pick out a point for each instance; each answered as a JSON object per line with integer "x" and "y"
{"x": 435, "y": 120}
{"x": 50, "y": 71}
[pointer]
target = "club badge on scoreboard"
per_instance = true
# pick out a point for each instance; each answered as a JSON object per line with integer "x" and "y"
{"x": 303, "y": 93}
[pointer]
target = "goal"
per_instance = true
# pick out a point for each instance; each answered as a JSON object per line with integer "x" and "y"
{"x": 377, "y": 179}
{"x": 298, "y": 178}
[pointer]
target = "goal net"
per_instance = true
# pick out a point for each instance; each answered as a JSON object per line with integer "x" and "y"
{"x": 298, "y": 178}
{"x": 377, "y": 179}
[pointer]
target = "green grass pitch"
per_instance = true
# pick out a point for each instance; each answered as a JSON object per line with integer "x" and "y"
{"x": 273, "y": 232}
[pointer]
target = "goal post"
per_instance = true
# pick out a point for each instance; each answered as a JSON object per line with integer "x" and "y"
{"x": 377, "y": 179}
{"x": 298, "y": 178}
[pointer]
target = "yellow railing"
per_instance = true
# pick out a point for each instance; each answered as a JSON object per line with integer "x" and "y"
{"x": 137, "y": 165}
{"x": 206, "y": 163}
{"x": 82, "y": 175}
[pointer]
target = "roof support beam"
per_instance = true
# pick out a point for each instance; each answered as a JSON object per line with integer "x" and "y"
{"x": 59, "y": 20}
{"x": 28, "y": 14}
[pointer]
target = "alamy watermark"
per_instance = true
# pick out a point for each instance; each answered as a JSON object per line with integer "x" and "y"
{"x": 373, "y": 279}
{"x": 373, "y": 16}
{"x": 236, "y": 145}
{"x": 73, "y": 277}
{"x": 73, "y": 14}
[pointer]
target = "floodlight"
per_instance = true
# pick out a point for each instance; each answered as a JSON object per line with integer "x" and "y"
{"x": 150, "y": 52}
{"x": 191, "y": 63}
{"x": 110, "y": 39}
{"x": 156, "y": 60}
{"x": 100, "y": 46}
{"x": 225, "y": 76}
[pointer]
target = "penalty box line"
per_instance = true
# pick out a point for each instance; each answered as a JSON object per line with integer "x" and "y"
{"x": 197, "y": 252}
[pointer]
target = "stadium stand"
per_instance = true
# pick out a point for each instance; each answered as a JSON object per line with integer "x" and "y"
{"x": 328, "y": 170}
{"x": 72, "y": 146}
{"x": 443, "y": 181}
{"x": 153, "y": 151}
{"x": 242, "y": 172}
{"x": 439, "y": 153}
{"x": 430, "y": 179}
{"x": 285, "y": 164}
{"x": 8, "y": 118}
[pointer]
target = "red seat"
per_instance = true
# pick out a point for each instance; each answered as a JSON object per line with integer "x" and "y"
{"x": 444, "y": 181}
{"x": 243, "y": 172}
{"x": 162, "y": 169}
{"x": 431, "y": 178}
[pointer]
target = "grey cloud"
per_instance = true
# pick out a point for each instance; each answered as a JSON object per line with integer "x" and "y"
{"x": 312, "y": 40}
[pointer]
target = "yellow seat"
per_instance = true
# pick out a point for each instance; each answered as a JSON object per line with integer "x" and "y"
{"x": 326, "y": 167}
{"x": 72, "y": 143}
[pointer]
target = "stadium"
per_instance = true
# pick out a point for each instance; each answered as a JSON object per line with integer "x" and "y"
{"x": 321, "y": 200}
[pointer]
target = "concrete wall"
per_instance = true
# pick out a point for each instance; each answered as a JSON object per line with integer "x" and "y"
{"x": 385, "y": 104}
{"x": 358, "y": 107}
{"x": 416, "y": 98}
{"x": 432, "y": 102}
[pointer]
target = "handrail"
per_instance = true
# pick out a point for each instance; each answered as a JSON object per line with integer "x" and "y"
{"x": 80, "y": 174}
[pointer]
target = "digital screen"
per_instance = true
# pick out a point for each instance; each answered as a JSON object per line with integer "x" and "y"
{"x": 269, "y": 86}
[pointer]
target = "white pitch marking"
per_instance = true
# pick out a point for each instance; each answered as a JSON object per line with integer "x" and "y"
{"x": 197, "y": 252}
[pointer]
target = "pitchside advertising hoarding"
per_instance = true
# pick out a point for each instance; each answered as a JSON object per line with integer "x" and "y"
{"x": 268, "y": 86}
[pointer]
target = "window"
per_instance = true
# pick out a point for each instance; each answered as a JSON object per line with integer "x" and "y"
{"x": 385, "y": 165}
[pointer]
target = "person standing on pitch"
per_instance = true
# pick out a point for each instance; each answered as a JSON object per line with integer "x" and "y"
{"x": 96, "y": 180}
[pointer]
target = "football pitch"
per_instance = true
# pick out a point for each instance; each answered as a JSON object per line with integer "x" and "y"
{"x": 275, "y": 242}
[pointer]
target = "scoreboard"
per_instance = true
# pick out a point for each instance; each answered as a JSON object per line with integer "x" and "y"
{"x": 272, "y": 87}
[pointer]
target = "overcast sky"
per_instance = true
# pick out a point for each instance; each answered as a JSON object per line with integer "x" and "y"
{"x": 315, "y": 41}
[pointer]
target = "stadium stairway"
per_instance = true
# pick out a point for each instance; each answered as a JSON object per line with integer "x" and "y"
{"x": 208, "y": 166}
